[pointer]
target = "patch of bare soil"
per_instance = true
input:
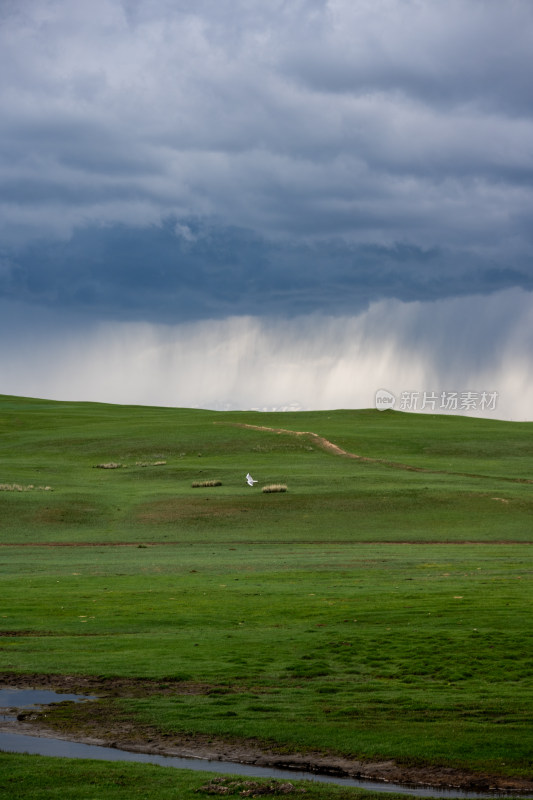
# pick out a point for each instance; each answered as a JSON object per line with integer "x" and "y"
{"x": 174, "y": 510}
{"x": 105, "y": 687}
{"x": 91, "y": 723}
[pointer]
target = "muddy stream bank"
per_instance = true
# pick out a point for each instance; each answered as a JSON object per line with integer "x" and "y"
{"x": 23, "y": 726}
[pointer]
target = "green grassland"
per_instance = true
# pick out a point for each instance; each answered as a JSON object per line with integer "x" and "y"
{"x": 36, "y": 778}
{"x": 372, "y": 610}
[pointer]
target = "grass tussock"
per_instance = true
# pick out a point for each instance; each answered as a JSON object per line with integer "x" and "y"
{"x": 205, "y": 484}
{"x": 119, "y": 465}
{"x": 17, "y": 487}
{"x": 274, "y": 487}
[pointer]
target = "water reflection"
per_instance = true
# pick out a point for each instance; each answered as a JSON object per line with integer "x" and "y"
{"x": 34, "y": 698}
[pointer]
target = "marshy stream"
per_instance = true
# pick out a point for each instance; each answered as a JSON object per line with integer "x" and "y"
{"x": 14, "y": 701}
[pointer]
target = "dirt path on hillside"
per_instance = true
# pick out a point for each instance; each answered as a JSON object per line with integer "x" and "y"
{"x": 92, "y": 724}
{"x": 330, "y": 447}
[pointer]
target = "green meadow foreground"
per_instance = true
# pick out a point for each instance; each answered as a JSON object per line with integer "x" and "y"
{"x": 379, "y": 609}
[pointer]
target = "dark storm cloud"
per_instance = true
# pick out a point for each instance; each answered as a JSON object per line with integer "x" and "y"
{"x": 201, "y": 159}
{"x": 178, "y": 271}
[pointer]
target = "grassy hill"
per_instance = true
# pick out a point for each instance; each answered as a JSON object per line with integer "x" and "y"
{"x": 380, "y": 608}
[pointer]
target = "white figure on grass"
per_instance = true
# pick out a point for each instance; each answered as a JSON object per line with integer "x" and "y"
{"x": 249, "y": 480}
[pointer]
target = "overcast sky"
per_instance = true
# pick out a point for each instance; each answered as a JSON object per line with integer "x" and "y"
{"x": 240, "y": 203}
